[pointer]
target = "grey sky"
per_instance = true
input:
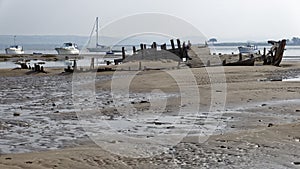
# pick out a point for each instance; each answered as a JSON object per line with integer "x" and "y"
{"x": 227, "y": 20}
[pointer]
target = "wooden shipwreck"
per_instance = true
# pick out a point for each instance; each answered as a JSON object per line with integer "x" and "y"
{"x": 275, "y": 54}
{"x": 273, "y": 57}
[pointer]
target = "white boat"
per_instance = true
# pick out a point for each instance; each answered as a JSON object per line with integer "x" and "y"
{"x": 68, "y": 49}
{"x": 14, "y": 49}
{"x": 249, "y": 49}
{"x": 98, "y": 47}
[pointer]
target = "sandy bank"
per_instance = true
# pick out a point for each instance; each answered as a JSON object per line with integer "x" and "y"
{"x": 260, "y": 121}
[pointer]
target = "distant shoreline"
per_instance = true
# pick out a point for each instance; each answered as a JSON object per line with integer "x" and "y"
{"x": 50, "y": 41}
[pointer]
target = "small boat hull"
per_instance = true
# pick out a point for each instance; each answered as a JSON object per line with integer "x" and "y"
{"x": 14, "y": 50}
{"x": 63, "y": 51}
{"x": 68, "y": 49}
{"x": 99, "y": 49}
{"x": 248, "y": 49}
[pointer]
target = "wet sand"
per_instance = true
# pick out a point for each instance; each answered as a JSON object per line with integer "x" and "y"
{"x": 257, "y": 128}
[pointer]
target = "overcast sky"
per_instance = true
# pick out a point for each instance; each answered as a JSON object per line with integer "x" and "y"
{"x": 227, "y": 20}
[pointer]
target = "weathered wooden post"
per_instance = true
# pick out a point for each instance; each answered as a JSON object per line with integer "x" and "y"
{"x": 123, "y": 53}
{"x": 184, "y": 51}
{"x": 224, "y": 62}
{"x": 36, "y": 67}
{"x": 134, "y": 49}
{"x": 92, "y": 66}
{"x": 172, "y": 44}
{"x": 264, "y": 58}
{"x": 208, "y": 63}
{"x": 42, "y": 69}
{"x": 142, "y": 46}
{"x": 240, "y": 57}
{"x": 154, "y": 45}
{"x": 74, "y": 65}
{"x": 68, "y": 69}
{"x": 24, "y": 66}
{"x": 178, "y": 44}
{"x": 163, "y": 46}
{"x": 145, "y": 46}
{"x": 180, "y": 49}
{"x": 140, "y": 65}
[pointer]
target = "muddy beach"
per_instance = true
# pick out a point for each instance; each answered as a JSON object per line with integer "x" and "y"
{"x": 251, "y": 119}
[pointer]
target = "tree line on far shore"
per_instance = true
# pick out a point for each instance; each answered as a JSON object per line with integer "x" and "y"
{"x": 293, "y": 41}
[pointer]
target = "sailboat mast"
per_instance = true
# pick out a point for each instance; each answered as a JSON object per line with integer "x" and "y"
{"x": 15, "y": 40}
{"x": 97, "y": 31}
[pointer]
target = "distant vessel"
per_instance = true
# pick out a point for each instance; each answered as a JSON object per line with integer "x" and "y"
{"x": 98, "y": 47}
{"x": 251, "y": 49}
{"x": 68, "y": 49}
{"x": 14, "y": 49}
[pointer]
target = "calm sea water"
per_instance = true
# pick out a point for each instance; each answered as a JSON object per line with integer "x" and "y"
{"x": 292, "y": 53}
{"x": 290, "y": 50}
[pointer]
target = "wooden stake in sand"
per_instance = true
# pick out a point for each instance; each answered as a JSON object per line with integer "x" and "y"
{"x": 123, "y": 53}
{"x": 92, "y": 66}
{"x": 134, "y": 49}
{"x": 172, "y": 44}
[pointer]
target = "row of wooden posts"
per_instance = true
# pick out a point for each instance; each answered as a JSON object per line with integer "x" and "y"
{"x": 180, "y": 51}
{"x": 36, "y": 67}
{"x": 271, "y": 58}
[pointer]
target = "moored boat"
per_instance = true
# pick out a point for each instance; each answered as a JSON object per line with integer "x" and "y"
{"x": 248, "y": 49}
{"x": 14, "y": 49}
{"x": 68, "y": 49}
{"x": 98, "y": 47}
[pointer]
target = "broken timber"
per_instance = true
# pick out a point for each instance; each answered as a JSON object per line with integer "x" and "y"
{"x": 248, "y": 62}
{"x": 275, "y": 54}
